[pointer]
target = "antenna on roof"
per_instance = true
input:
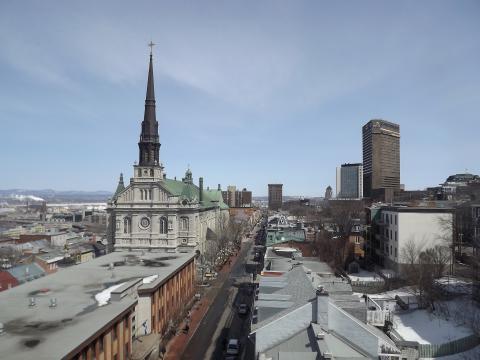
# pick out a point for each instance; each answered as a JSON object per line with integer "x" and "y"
{"x": 32, "y": 302}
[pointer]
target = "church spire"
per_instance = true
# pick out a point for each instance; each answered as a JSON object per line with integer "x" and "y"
{"x": 149, "y": 144}
{"x": 120, "y": 186}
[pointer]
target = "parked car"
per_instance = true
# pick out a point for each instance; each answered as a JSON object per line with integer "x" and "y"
{"x": 242, "y": 309}
{"x": 233, "y": 347}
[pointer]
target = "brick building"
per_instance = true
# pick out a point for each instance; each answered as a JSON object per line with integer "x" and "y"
{"x": 98, "y": 309}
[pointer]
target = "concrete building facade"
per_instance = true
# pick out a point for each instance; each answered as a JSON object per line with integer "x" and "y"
{"x": 381, "y": 156}
{"x": 394, "y": 229}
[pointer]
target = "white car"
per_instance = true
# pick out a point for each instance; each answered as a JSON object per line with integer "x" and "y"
{"x": 233, "y": 347}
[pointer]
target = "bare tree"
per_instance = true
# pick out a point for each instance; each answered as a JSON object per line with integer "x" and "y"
{"x": 421, "y": 268}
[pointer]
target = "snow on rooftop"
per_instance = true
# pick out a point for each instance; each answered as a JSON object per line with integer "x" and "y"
{"x": 149, "y": 279}
{"x": 103, "y": 297}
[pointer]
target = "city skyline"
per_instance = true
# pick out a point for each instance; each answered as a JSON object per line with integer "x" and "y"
{"x": 72, "y": 105}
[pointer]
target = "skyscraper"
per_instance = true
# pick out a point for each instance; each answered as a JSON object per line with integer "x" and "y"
{"x": 350, "y": 181}
{"x": 381, "y": 156}
{"x": 275, "y": 196}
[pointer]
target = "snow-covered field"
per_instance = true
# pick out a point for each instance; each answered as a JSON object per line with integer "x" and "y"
{"x": 451, "y": 320}
{"x": 365, "y": 276}
{"x": 427, "y": 328}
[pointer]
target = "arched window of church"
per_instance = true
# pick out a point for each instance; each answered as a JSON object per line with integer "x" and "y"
{"x": 141, "y": 194}
{"x": 184, "y": 223}
{"x": 151, "y": 172}
{"x": 127, "y": 225}
{"x": 150, "y": 194}
{"x": 163, "y": 225}
{"x": 139, "y": 173}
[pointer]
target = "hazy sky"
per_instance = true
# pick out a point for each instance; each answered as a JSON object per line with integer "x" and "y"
{"x": 248, "y": 92}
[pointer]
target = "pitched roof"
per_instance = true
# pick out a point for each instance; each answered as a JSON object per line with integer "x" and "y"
{"x": 191, "y": 192}
{"x": 26, "y": 272}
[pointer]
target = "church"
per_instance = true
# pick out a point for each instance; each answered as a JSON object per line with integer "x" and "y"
{"x": 153, "y": 212}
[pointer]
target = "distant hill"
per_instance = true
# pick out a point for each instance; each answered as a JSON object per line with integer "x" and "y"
{"x": 16, "y": 196}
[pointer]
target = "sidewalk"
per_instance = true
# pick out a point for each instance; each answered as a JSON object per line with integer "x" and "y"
{"x": 179, "y": 342}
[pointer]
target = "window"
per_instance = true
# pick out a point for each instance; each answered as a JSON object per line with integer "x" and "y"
{"x": 184, "y": 224}
{"x": 163, "y": 225}
{"x": 127, "y": 225}
{"x": 395, "y": 219}
{"x": 390, "y": 249}
{"x": 150, "y": 193}
{"x": 395, "y": 235}
{"x": 395, "y": 252}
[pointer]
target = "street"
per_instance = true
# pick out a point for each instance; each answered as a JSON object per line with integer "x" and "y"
{"x": 222, "y": 322}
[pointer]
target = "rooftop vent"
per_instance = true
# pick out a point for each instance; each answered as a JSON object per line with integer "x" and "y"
{"x": 1, "y": 328}
{"x": 53, "y": 303}
{"x": 327, "y": 355}
{"x": 32, "y": 302}
{"x": 320, "y": 336}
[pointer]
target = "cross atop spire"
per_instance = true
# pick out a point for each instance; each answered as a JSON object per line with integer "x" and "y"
{"x": 151, "y": 45}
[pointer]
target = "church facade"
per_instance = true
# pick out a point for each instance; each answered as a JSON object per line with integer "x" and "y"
{"x": 153, "y": 212}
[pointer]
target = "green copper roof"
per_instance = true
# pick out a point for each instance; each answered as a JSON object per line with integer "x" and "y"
{"x": 120, "y": 186}
{"x": 191, "y": 192}
{"x": 284, "y": 235}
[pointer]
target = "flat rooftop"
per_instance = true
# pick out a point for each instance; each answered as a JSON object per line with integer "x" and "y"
{"x": 42, "y": 332}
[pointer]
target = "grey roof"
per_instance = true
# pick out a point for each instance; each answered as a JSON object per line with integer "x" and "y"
{"x": 56, "y": 332}
{"x": 305, "y": 345}
{"x": 336, "y": 345}
{"x": 300, "y": 346}
{"x": 280, "y": 295}
{"x": 27, "y": 272}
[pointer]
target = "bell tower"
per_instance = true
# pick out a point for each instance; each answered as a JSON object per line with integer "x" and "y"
{"x": 149, "y": 167}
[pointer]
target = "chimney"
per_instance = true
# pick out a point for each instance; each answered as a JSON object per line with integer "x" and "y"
{"x": 200, "y": 181}
{"x": 322, "y": 307}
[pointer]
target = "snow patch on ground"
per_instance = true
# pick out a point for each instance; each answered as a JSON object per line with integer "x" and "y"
{"x": 103, "y": 297}
{"x": 439, "y": 327}
{"x": 454, "y": 285}
{"x": 149, "y": 279}
{"x": 365, "y": 276}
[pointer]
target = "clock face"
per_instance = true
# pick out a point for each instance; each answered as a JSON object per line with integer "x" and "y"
{"x": 145, "y": 222}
